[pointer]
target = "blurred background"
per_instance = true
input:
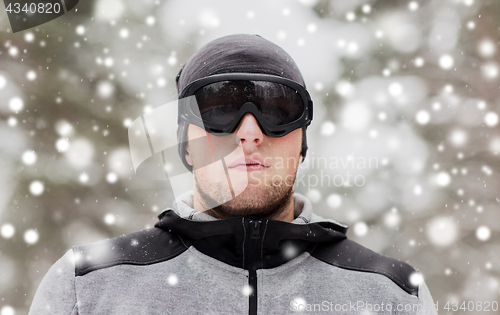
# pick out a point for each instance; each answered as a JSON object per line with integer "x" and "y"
{"x": 411, "y": 86}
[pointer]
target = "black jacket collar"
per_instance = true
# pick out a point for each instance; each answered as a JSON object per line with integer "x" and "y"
{"x": 242, "y": 241}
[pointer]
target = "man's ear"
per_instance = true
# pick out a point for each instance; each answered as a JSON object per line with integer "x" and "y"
{"x": 188, "y": 157}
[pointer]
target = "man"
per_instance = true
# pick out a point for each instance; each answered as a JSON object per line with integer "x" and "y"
{"x": 242, "y": 242}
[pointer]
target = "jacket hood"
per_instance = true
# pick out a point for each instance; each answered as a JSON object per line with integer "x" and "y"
{"x": 233, "y": 240}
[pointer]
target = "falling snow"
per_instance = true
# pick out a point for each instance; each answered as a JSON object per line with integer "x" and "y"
{"x": 7, "y": 230}
{"x": 36, "y": 188}
{"x": 446, "y": 62}
{"x": 412, "y": 85}
{"x": 31, "y": 236}
{"x": 442, "y": 231}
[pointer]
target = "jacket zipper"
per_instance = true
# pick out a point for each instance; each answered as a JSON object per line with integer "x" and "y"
{"x": 253, "y": 260}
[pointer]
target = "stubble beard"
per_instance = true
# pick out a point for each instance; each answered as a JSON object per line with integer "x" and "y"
{"x": 269, "y": 200}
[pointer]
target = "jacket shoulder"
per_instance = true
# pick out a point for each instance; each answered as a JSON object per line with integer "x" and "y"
{"x": 348, "y": 254}
{"x": 139, "y": 248}
{"x": 56, "y": 293}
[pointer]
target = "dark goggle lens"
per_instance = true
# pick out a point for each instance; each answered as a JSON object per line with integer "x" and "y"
{"x": 220, "y": 102}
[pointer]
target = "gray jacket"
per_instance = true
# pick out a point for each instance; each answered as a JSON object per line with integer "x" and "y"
{"x": 191, "y": 263}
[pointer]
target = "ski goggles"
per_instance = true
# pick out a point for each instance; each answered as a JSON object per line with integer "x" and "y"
{"x": 217, "y": 103}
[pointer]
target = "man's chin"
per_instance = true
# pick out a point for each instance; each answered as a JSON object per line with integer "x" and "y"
{"x": 252, "y": 195}
{"x": 257, "y": 201}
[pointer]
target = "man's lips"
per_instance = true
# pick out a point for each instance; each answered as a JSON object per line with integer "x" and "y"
{"x": 254, "y": 164}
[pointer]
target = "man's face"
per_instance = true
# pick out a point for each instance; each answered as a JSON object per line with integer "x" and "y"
{"x": 261, "y": 170}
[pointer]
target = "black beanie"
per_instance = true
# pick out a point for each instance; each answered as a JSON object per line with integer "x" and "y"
{"x": 239, "y": 53}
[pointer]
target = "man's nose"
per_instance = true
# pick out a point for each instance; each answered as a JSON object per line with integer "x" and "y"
{"x": 249, "y": 131}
